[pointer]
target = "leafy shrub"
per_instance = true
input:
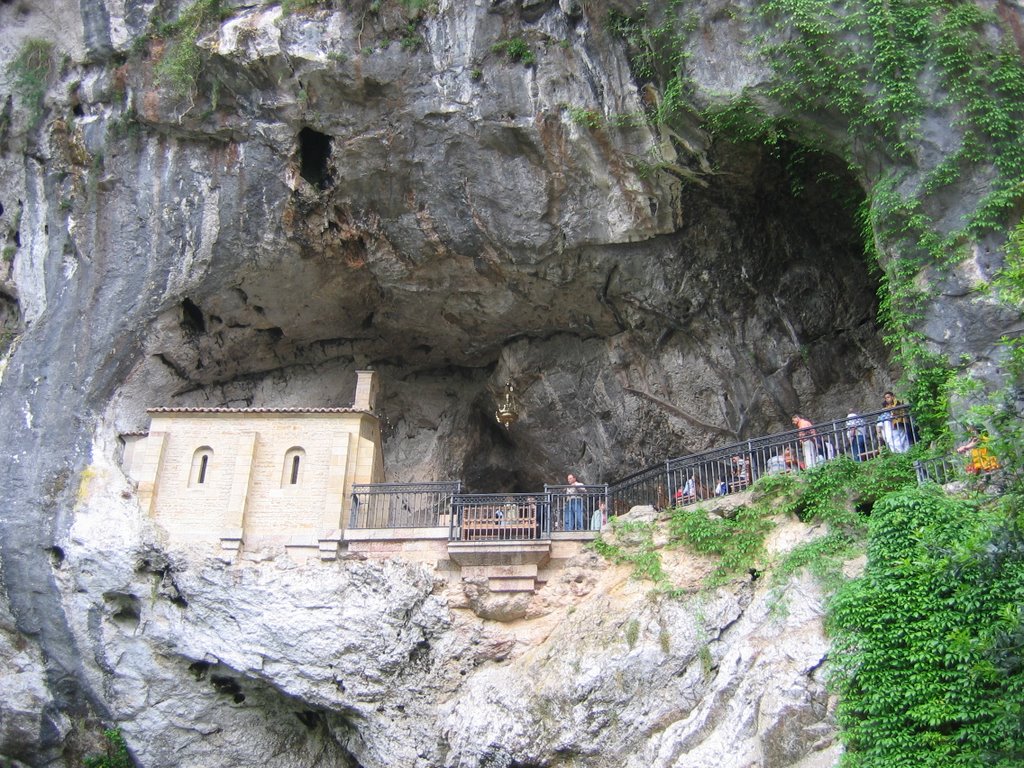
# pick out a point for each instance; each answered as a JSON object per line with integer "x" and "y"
{"x": 516, "y": 49}
{"x": 586, "y": 118}
{"x": 116, "y": 755}
{"x": 926, "y": 645}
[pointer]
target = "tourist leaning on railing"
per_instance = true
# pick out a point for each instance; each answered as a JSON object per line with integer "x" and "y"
{"x": 892, "y": 424}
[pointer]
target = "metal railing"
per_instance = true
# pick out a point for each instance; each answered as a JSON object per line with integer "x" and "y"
{"x": 648, "y": 486}
{"x": 940, "y": 469}
{"x": 733, "y": 468}
{"x": 500, "y": 517}
{"x": 578, "y": 507}
{"x": 402, "y": 505}
{"x": 684, "y": 480}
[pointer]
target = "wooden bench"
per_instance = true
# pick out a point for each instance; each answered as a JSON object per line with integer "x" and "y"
{"x": 498, "y": 523}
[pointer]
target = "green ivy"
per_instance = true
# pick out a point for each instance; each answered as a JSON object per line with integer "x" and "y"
{"x": 1009, "y": 281}
{"x": 738, "y": 541}
{"x": 635, "y": 546}
{"x": 926, "y": 645}
{"x": 823, "y": 557}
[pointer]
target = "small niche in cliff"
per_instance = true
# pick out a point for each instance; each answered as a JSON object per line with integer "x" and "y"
{"x": 310, "y": 718}
{"x": 192, "y": 317}
{"x": 314, "y": 154}
{"x": 229, "y": 687}
{"x": 125, "y": 609}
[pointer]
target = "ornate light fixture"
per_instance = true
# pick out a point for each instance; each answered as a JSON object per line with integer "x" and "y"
{"x": 508, "y": 411}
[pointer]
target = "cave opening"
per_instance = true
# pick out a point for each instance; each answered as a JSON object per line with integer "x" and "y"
{"x": 314, "y": 157}
{"x": 192, "y": 320}
{"x": 763, "y": 304}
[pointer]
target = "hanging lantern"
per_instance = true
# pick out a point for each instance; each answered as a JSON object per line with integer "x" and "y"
{"x": 508, "y": 412}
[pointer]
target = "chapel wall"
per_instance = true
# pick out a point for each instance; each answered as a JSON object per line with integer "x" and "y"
{"x": 247, "y": 491}
{"x": 194, "y": 512}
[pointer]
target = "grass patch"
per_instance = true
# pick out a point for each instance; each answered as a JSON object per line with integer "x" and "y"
{"x": 31, "y": 71}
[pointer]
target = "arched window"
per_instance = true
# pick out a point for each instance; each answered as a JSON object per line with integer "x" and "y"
{"x": 202, "y": 461}
{"x": 294, "y": 462}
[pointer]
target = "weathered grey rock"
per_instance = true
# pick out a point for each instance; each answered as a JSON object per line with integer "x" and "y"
{"x": 206, "y": 664}
{"x": 328, "y": 198}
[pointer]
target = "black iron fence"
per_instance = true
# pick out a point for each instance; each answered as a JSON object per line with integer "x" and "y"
{"x": 680, "y": 481}
{"x": 578, "y": 507}
{"x": 735, "y": 467}
{"x": 500, "y": 517}
{"x": 402, "y": 505}
{"x": 940, "y": 469}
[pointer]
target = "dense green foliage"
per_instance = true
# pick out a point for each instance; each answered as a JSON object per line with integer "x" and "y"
{"x": 928, "y": 643}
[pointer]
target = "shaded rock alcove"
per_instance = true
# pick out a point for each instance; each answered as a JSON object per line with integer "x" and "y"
{"x": 760, "y": 304}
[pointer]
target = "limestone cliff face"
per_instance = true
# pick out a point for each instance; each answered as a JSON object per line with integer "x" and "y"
{"x": 371, "y": 186}
{"x": 372, "y": 663}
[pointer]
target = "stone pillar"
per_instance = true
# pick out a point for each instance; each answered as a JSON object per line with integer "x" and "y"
{"x": 149, "y": 472}
{"x": 233, "y": 532}
{"x": 366, "y": 391}
{"x": 332, "y": 519}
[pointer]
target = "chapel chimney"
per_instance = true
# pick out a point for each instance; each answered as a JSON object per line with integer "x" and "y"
{"x": 366, "y": 391}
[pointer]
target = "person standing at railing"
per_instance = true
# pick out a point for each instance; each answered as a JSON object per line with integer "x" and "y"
{"x": 599, "y": 517}
{"x": 806, "y": 434}
{"x": 573, "y": 513}
{"x": 855, "y": 431}
{"x": 688, "y": 493}
{"x": 892, "y": 424}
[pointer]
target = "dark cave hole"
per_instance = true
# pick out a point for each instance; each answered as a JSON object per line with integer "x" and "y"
{"x": 199, "y": 669}
{"x": 56, "y": 556}
{"x": 314, "y": 154}
{"x": 124, "y": 608}
{"x": 309, "y": 718}
{"x": 228, "y": 686}
{"x": 192, "y": 320}
{"x": 275, "y": 334}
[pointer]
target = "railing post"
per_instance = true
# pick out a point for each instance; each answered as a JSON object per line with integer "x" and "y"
{"x": 669, "y": 490}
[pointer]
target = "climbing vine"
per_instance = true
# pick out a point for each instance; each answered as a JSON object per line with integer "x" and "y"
{"x": 862, "y": 65}
{"x": 926, "y": 645}
{"x": 634, "y": 544}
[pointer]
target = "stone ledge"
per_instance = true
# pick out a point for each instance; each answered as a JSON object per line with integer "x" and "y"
{"x": 498, "y": 553}
{"x": 394, "y": 534}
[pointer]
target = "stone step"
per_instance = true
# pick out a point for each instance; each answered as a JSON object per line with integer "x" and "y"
{"x": 511, "y": 585}
{"x": 522, "y": 571}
